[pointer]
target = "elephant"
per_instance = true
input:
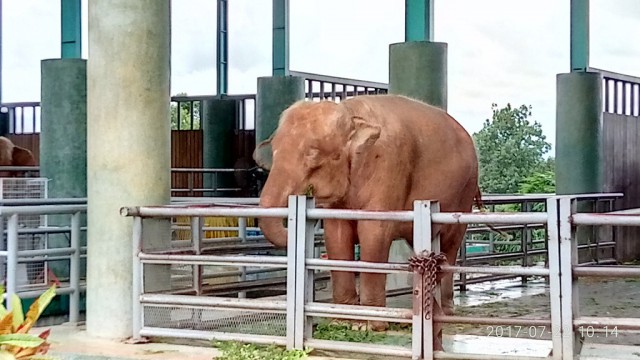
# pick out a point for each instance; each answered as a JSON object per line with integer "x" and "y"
{"x": 370, "y": 152}
{"x": 13, "y": 155}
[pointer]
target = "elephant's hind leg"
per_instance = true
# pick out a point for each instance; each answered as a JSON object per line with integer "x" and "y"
{"x": 450, "y": 240}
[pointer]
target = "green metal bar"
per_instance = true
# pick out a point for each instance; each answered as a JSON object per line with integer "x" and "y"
{"x": 280, "y": 37}
{"x": 71, "y": 28}
{"x": 579, "y": 35}
{"x": 418, "y": 20}
{"x": 222, "y": 53}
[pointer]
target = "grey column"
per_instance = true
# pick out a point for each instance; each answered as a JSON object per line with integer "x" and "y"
{"x": 219, "y": 122}
{"x": 129, "y": 144}
{"x": 418, "y": 69}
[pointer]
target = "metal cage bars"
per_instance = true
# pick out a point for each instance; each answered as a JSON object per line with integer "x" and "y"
{"x": 560, "y": 218}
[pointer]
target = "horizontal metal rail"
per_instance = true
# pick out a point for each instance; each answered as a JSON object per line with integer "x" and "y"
{"x": 214, "y": 302}
{"x": 261, "y": 261}
{"x": 167, "y": 212}
{"x": 605, "y": 219}
{"x": 607, "y": 271}
{"x": 211, "y": 335}
{"x": 364, "y": 348}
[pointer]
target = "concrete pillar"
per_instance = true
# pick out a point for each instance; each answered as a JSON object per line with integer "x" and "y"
{"x": 219, "y": 122}
{"x": 129, "y": 144}
{"x": 63, "y": 141}
{"x": 63, "y": 138}
{"x": 275, "y": 94}
{"x": 579, "y": 133}
{"x": 418, "y": 69}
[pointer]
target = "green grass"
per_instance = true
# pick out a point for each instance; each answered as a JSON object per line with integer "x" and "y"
{"x": 232, "y": 350}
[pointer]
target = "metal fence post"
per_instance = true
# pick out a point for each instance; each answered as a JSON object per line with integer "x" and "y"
{"x": 555, "y": 294}
{"x": 569, "y": 288}
{"x": 305, "y": 278}
{"x": 196, "y": 242}
{"x": 422, "y": 331}
{"x": 292, "y": 220}
{"x": 138, "y": 278}
{"x": 74, "y": 269}
{"x": 242, "y": 234}
{"x": 12, "y": 258}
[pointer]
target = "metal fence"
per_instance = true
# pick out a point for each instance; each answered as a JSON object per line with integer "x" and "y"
{"x": 18, "y": 265}
{"x": 186, "y": 113}
{"x": 621, "y": 93}
{"x": 322, "y": 87}
{"x": 213, "y": 181}
{"x": 289, "y": 321}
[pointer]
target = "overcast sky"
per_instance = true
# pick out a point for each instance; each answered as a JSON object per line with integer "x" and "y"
{"x": 502, "y": 51}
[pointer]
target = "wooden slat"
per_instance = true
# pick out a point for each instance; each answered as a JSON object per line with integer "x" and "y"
{"x": 621, "y": 147}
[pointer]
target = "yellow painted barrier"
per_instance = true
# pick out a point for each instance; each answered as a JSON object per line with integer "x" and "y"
{"x": 210, "y": 222}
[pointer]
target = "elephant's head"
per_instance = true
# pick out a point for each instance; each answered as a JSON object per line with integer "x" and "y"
{"x": 311, "y": 152}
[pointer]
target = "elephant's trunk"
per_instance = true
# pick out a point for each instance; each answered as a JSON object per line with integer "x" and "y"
{"x": 275, "y": 194}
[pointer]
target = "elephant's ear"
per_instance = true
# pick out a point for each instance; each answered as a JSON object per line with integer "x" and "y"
{"x": 22, "y": 157}
{"x": 263, "y": 154}
{"x": 363, "y": 135}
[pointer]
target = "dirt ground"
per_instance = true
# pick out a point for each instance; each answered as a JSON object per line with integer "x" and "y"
{"x": 602, "y": 297}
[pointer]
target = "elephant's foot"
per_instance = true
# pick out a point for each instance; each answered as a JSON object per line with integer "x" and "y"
{"x": 448, "y": 310}
{"x": 361, "y": 325}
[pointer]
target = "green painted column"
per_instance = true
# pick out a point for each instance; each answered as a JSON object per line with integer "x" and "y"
{"x": 274, "y": 95}
{"x": 280, "y": 38}
{"x": 71, "y": 28}
{"x": 63, "y": 137}
{"x": 222, "y": 51}
{"x": 579, "y": 133}
{"x": 418, "y": 20}
{"x": 418, "y": 69}
{"x": 128, "y": 152}
{"x": 579, "y": 35}
{"x": 219, "y": 123}
{"x": 63, "y": 141}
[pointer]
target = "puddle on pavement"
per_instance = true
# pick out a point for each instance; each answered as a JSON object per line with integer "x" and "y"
{"x": 500, "y": 290}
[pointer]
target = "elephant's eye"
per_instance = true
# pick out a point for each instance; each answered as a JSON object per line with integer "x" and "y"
{"x": 336, "y": 156}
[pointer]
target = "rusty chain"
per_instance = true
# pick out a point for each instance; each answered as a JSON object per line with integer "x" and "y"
{"x": 427, "y": 264}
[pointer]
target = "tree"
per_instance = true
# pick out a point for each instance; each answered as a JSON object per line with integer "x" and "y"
{"x": 511, "y": 149}
{"x": 185, "y": 114}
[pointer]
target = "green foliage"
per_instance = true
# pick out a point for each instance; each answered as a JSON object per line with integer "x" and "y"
{"x": 538, "y": 182}
{"x": 232, "y": 350}
{"x": 327, "y": 331}
{"x": 510, "y": 149}
{"x": 185, "y": 115}
{"x": 15, "y": 342}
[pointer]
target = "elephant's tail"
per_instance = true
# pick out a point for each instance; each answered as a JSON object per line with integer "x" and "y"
{"x": 480, "y": 206}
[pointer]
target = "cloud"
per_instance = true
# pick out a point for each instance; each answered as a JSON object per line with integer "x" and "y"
{"x": 500, "y": 51}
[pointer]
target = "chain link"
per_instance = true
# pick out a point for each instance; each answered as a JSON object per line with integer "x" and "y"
{"x": 427, "y": 264}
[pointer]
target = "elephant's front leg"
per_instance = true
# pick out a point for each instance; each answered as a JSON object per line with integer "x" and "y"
{"x": 375, "y": 241}
{"x": 339, "y": 240}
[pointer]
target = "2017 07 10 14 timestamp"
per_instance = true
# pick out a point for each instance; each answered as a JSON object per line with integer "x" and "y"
{"x": 517, "y": 331}
{"x": 597, "y": 331}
